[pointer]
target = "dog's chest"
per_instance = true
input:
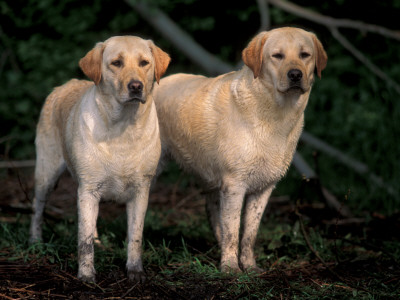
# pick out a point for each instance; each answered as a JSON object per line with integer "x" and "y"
{"x": 260, "y": 158}
{"x": 116, "y": 169}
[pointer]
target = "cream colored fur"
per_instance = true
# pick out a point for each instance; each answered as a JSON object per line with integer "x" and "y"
{"x": 238, "y": 132}
{"x": 106, "y": 133}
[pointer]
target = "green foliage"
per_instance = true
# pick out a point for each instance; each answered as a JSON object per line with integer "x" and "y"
{"x": 41, "y": 42}
{"x": 41, "y": 46}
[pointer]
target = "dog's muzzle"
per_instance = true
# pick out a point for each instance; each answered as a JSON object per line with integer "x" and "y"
{"x": 295, "y": 80}
{"x": 135, "y": 89}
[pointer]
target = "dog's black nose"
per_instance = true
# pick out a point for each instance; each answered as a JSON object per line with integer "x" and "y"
{"x": 135, "y": 86}
{"x": 295, "y": 75}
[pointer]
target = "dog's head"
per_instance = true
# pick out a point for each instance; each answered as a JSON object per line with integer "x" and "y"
{"x": 125, "y": 67}
{"x": 287, "y": 57}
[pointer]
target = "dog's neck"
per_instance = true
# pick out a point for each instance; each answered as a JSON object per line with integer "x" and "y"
{"x": 113, "y": 113}
{"x": 105, "y": 116}
{"x": 268, "y": 103}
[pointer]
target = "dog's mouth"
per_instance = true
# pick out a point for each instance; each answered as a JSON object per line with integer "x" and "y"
{"x": 135, "y": 100}
{"x": 132, "y": 99}
{"x": 294, "y": 89}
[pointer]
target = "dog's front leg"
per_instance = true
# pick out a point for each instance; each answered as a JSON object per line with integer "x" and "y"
{"x": 88, "y": 209}
{"x": 253, "y": 212}
{"x": 231, "y": 202}
{"x": 136, "y": 211}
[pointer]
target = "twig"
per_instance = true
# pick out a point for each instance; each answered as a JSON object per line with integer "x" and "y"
{"x": 7, "y": 45}
{"x": 361, "y": 57}
{"x": 130, "y": 290}
{"x": 348, "y": 161}
{"x": 6, "y": 297}
{"x": 309, "y": 174}
{"x": 332, "y": 22}
{"x": 315, "y": 252}
{"x": 51, "y": 212}
{"x": 23, "y": 188}
{"x": 306, "y": 238}
{"x": 185, "y": 199}
{"x": 372, "y": 247}
{"x": 339, "y": 207}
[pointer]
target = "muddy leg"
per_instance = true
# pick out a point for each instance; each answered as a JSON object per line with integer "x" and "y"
{"x": 253, "y": 212}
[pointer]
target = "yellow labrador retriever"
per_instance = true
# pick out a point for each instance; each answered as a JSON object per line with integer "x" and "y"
{"x": 106, "y": 133}
{"x": 238, "y": 132}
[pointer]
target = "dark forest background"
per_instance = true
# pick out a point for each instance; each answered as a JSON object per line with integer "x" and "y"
{"x": 352, "y": 108}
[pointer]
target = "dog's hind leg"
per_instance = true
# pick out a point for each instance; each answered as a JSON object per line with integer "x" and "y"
{"x": 253, "y": 212}
{"x": 213, "y": 213}
{"x": 50, "y": 165}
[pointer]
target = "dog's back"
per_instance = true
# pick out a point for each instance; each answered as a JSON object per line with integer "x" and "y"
{"x": 58, "y": 105}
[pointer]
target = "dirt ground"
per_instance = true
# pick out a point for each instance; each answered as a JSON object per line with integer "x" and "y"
{"x": 40, "y": 279}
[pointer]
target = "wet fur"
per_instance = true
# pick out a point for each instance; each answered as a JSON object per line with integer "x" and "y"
{"x": 109, "y": 140}
{"x": 238, "y": 132}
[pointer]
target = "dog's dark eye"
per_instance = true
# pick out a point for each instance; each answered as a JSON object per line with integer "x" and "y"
{"x": 278, "y": 55}
{"x": 117, "y": 63}
{"x": 143, "y": 63}
{"x": 304, "y": 54}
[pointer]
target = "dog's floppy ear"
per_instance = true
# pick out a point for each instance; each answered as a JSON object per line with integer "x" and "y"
{"x": 321, "y": 58}
{"x": 91, "y": 63}
{"x": 161, "y": 60}
{"x": 252, "y": 55}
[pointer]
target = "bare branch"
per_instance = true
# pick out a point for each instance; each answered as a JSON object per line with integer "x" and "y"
{"x": 332, "y": 22}
{"x": 17, "y": 164}
{"x": 302, "y": 167}
{"x": 348, "y": 161}
{"x": 265, "y": 21}
{"x": 361, "y": 57}
{"x": 183, "y": 41}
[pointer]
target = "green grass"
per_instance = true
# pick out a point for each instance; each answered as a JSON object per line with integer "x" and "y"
{"x": 181, "y": 256}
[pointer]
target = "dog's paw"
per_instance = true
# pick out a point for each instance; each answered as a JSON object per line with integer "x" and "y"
{"x": 87, "y": 274}
{"x": 34, "y": 240}
{"x": 230, "y": 268}
{"x": 136, "y": 276}
{"x": 87, "y": 278}
{"x": 35, "y": 235}
{"x": 254, "y": 269}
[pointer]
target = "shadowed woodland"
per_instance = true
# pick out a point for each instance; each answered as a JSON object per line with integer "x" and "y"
{"x": 331, "y": 228}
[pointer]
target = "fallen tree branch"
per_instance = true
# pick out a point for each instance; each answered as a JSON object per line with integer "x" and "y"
{"x": 265, "y": 20}
{"x": 178, "y": 37}
{"x": 302, "y": 167}
{"x": 348, "y": 161}
{"x": 17, "y": 164}
{"x": 333, "y": 25}
{"x": 332, "y": 22}
{"x": 361, "y": 57}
